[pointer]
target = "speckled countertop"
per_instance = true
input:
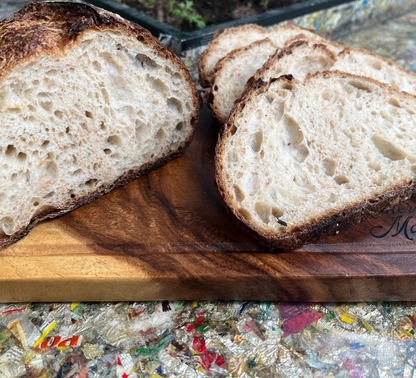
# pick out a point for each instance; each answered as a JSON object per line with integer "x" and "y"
{"x": 219, "y": 339}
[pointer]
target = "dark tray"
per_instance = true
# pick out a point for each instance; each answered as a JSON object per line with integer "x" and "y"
{"x": 180, "y": 41}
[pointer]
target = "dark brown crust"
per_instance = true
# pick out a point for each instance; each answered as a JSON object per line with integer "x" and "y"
{"x": 205, "y": 76}
{"x": 328, "y": 225}
{"x": 40, "y": 29}
{"x": 99, "y": 192}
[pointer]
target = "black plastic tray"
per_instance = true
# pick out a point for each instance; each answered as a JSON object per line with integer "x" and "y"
{"x": 180, "y": 41}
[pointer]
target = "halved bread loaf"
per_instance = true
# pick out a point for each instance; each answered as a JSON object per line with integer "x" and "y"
{"x": 298, "y": 161}
{"x": 88, "y": 102}
{"x": 233, "y": 72}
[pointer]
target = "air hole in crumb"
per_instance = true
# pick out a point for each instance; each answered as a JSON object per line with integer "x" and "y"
{"x": 44, "y": 143}
{"x": 300, "y": 152}
{"x": 72, "y": 195}
{"x": 145, "y": 62}
{"x": 7, "y": 224}
{"x": 394, "y": 102}
{"x": 91, "y": 183}
{"x": 376, "y": 64}
{"x": 158, "y": 85}
{"x": 340, "y": 180}
{"x": 114, "y": 140}
{"x": 21, "y": 156}
{"x": 294, "y": 134}
{"x": 14, "y": 176}
{"x": 160, "y": 134}
{"x": 36, "y": 203}
{"x": 375, "y": 166}
{"x": 174, "y": 105}
{"x": 103, "y": 126}
{"x": 233, "y": 130}
{"x": 88, "y": 114}
{"x": 386, "y": 116}
{"x": 327, "y": 94}
{"x": 256, "y": 140}
{"x": 107, "y": 151}
{"x": 67, "y": 130}
{"x": 49, "y": 195}
{"x": 388, "y": 149}
{"x": 10, "y": 150}
{"x": 244, "y": 213}
{"x": 263, "y": 211}
{"x": 329, "y": 166}
{"x": 179, "y": 126}
{"x": 59, "y": 114}
{"x": 46, "y": 105}
{"x": 97, "y": 66}
{"x": 361, "y": 86}
{"x": 239, "y": 195}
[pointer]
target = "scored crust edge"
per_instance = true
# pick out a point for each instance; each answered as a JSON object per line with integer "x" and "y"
{"x": 54, "y": 41}
{"x": 327, "y": 225}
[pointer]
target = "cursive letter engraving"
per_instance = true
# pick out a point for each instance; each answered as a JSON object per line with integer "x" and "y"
{"x": 404, "y": 228}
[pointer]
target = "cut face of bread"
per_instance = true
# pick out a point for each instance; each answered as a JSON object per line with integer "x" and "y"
{"x": 362, "y": 62}
{"x": 303, "y": 58}
{"x": 286, "y": 35}
{"x": 298, "y": 161}
{"x": 233, "y": 72}
{"x": 299, "y": 60}
{"x": 82, "y": 115}
{"x": 236, "y": 38}
{"x": 229, "y": 40}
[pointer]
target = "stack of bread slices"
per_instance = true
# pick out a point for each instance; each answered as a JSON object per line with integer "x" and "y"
{"x": 316, "y": 136}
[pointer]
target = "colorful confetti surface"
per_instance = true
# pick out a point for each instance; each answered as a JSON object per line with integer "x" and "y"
{"x": 226, "y": 339}
{"x": 208, "y": 339}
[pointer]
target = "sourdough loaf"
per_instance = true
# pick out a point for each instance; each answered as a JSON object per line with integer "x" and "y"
{"x": 88, "y": 102}
{"x": 298, "y": 161}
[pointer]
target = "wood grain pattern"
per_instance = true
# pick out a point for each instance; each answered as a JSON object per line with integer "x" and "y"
{"x": 168, "y": 236}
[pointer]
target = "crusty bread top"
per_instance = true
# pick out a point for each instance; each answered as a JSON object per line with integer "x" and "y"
{"x": 298, "y": 159}
{"x": 49, "y": 28}
{"x": 223, "y": 43}
{"x": 306, "y": 35}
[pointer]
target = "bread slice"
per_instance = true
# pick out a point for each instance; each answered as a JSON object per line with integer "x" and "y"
{"x": 236, "y": 38}
{"x": 298, "y": 161}
{"x": 303, "y": 58}
{"x": 88, "y": 102}
{"x": 233, "y": 72}
{"x": 362, "y": 62}
{"x": 222, "y": 44}
{"x": 286, "y": 35}
{"x": 299, "y": 59}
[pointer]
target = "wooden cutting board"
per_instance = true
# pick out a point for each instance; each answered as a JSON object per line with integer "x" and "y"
{"x": 167, "y": 236}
